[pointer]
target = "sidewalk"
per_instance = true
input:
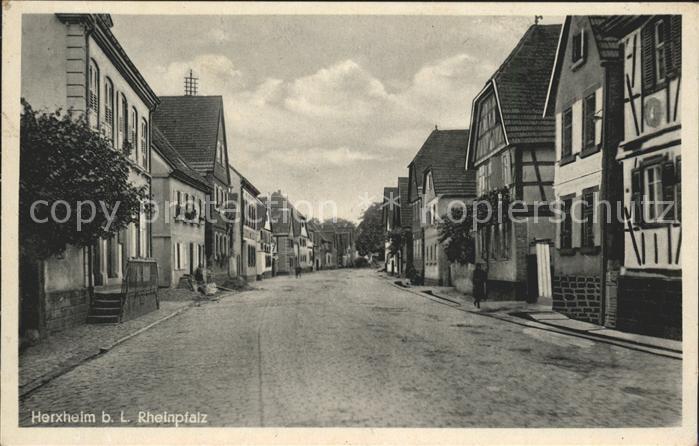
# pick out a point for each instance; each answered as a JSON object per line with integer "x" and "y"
{"x": 541, "y": 315}
{"x": 65, "y": 350}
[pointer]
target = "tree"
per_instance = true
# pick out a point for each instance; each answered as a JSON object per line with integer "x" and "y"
{"x": 455, "y": 235}
{"x": 63, "y": 159}
{"x": 370, "y": 233}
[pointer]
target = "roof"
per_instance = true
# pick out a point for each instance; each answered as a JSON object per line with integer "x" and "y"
{"x": 444, "y": 152}
{"x": 520, "y": 85}
{"x": 280, "y": 213}
{"x": 406, "y": 214}
{"x": 191, "y": 124}
{"x": 246, "y": 184}
{"x": 180, "y": 168}
{"x": 606, "y": 44}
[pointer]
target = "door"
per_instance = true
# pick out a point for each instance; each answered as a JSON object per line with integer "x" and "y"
{"x": 191, "y": 258}
{"x": 543, "y": 268}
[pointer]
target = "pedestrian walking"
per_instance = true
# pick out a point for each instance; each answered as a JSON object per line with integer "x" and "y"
{"x": 297, "y": 270}
{"x": 480, "y": 277}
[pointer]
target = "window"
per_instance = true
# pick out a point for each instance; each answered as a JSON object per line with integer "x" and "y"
{"x": 133, "y": 130}
{"x": 490, "y": 134}
{"x": 660, "y": 59}
{"x": 578, "y": 50}
{"x": 567, "y": 134}
{"x": 123, "y": 121}
{"x": 566, "y": 235}
{"x": 289, "y": 243}
{"x": 652, "y": 193}
{"x": 587, "y": 237}
{"x": 589, "y": 121}
{"x": 144, "y": 144}
{"x": 93, "y": 88}
{"x": 109, "y": 108}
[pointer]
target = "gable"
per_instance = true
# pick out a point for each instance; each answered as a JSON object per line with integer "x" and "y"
{"x": 575, "y": 78}
{"x": 490, "y": 135}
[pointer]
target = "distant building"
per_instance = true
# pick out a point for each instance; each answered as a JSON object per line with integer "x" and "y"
{"x": 390, "y": 215}
{"x": 235, "y": 228}
{"x": 283, "y": 232}
{"x": 250, "y": 235}
{"x": 266, "y": 247}
{"x": 405, "y": 223}
{"x": 511, "y": 147}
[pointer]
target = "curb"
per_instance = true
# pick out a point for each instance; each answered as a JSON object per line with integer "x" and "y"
{"x": 653, "y": 350}
{"x": 30, "y": 387}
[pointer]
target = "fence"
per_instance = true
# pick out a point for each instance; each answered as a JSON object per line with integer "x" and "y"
{"x": 139, "y": 290}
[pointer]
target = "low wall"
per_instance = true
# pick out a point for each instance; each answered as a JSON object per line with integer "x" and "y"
{"x": 66, "y": 309}
{"x": 650, "y": 306}
{"x": 578, "y": 297}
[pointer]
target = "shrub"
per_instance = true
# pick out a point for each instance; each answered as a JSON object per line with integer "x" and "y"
{"x": 361, "y": 262}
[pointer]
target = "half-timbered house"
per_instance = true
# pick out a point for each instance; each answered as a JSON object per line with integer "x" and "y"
{"x": 650, "y": 284}
{"x": 511, "y": 146}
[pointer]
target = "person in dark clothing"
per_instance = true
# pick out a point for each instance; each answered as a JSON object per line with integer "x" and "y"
{"x": 298, "y": 271}
{"x": 480, "y": 277}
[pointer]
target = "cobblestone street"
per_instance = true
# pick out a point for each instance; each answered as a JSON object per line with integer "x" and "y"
{"x": 345, "y": 348}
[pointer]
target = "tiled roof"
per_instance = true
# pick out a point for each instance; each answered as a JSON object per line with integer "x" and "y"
{"x": 444, "y": 152}
{"x": 607, "y": 45}
{"x": 191, "y": 125}
{"x": 406, "y": 214}
{"x": 522, "y": 82}
{"x": 163, "y": 146}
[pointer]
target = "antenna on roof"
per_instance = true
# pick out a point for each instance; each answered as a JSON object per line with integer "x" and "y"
{"x": 537, "y": 18}
{"x": 191, "y": 84}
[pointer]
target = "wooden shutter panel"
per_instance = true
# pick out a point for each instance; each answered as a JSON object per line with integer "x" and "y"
{"x": 668, "y": 180}
{"x": 648, "y": 56}
{"x": 636, "y": 188}
{"x": 675, "y": 40}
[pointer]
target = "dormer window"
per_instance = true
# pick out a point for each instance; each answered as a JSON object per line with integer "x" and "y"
{"x": 578, "y": 53}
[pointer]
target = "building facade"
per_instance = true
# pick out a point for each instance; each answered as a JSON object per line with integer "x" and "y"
{"x": 446, "y": 185}
{"x": 511, "y": 147}
{"x": 266, "y": 247}
{"x": 390, "y": 214}
{"x": 195, "y": 127}
{"x": 650, "y": 283}
{"x": 74, "y": 62}
{"x": 178, "y": 233}
{"x": 250, "y": 235}
{"x": 283, "y": 232}
{"x": 585, "y": 96}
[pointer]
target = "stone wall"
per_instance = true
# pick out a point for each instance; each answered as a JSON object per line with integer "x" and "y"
{"x": 66, "y": 309}
{"x": 578, "y": 297}
{"x": 650, "y": 306}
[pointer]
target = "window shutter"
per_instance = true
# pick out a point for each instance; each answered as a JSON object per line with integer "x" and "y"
{"x": 678, "y": 180}
{"x": 675, "y": 45}
{"x": 636, "y": 188}
{"x": 668, "y": 180}
{"x": 648, "y": 56}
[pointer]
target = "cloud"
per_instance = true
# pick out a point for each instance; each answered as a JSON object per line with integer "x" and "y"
{"x": 321, "y": 135}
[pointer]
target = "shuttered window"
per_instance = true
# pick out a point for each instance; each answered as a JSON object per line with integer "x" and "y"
{"x": 587, "y": 238}
{"x": 566, "y": 235}
{"x": 661, "y": 51}
{"x": 589, "y": 121}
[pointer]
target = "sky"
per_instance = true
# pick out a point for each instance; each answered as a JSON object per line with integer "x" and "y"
{"x": 326, "y": 108}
